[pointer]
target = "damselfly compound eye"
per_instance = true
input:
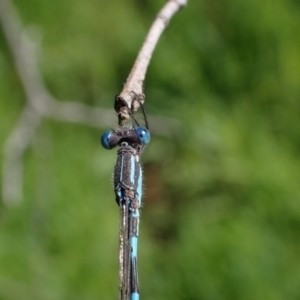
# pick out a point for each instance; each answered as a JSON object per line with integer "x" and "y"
{"x": 105, "y": 140}
{"x": 144, "y": 135}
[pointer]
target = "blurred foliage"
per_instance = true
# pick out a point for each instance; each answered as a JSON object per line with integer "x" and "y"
{"x": 221, "y": 213}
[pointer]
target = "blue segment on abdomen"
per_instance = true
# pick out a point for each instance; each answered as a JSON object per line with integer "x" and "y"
{"x": 135, "y": 296}
{"x": 134, "y": 244}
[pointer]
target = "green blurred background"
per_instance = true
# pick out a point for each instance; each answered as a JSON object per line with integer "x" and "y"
{"x": 221, "y": 213}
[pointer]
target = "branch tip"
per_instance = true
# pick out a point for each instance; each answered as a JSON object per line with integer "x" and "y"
{"x": 135, "y": 80}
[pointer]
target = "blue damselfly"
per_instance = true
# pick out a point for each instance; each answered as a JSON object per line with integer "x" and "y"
{"x": 128, "y": 190}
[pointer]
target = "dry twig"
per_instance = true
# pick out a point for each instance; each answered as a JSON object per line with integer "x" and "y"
{"x": 134, "y": 84}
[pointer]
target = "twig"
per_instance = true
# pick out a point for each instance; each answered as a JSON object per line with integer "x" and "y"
{"x": 134, "y": 84}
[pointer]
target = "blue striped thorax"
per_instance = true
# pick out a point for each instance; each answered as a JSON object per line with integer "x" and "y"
{"x": 128, "y": 176}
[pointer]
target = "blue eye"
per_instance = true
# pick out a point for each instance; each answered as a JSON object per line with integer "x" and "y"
{"x": 144, "y": 135}
{"x": 105, "y": 140}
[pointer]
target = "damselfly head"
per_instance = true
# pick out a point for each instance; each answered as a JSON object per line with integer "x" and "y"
{"x": 134, "y": 137}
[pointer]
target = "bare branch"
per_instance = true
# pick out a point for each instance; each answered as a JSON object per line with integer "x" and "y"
{"x": 23, "y": 49}
{"x": 135, "y": 80}
{"x": 80, "y": 113}
{"x": 14, "y": 148}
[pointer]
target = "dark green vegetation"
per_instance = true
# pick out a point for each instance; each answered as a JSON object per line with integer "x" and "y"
{"x": 221, "y": 215}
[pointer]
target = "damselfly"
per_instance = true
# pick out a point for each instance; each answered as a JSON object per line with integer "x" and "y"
{"x": 128, "y": 190}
